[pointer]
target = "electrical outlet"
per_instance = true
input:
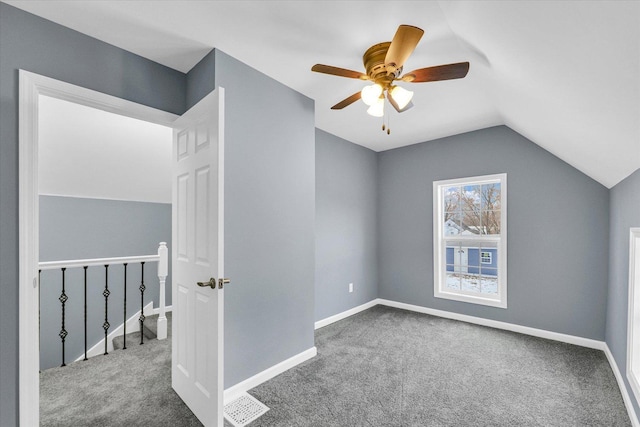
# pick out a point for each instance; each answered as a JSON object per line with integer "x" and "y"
{"x": 350, "y": 287}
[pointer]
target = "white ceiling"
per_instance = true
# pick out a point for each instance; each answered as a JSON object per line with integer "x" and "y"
{"x": 565, "y": 74}
{"x": 84, "y": 152}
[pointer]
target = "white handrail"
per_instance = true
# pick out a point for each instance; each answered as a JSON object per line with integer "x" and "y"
{"x": 163, "y": 270}
{"x": 53, "y": 265}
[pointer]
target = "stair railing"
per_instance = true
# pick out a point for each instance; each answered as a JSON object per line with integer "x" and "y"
{"x": 163, "y": 266}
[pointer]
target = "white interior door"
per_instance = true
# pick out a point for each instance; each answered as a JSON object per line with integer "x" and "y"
{"x": 197, "y": 254}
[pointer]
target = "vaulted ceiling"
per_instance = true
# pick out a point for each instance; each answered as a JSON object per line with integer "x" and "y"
{"x": 565, "y": 74}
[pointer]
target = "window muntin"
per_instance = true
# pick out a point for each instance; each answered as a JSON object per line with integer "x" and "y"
{"x": 470, "y": 239}
{"x": 472, "y": 209}
{"x": 467, "y": 271}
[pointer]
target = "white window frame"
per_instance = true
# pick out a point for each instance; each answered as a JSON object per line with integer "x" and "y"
{"x": 633, "y": 317}
{"x": 439, "y": 244}
{"x": 489, "y": 257}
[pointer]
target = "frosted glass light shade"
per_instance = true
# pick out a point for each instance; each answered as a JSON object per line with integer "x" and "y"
{"x": 377, "y": 108}
{"x": 401, "y": 96}
{"x": 370, "y": 94}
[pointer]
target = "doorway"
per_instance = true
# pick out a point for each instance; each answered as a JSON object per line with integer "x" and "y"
{"x": 461, "y": 259}
{"x": 32, "y": 86}
{"x": 104, "y": 191}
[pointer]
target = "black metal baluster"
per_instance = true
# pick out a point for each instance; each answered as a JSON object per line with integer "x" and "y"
{"x": 85, "y": 312}
{"x": 106, "y": 293}
{"x": 124, "y": 347}
{"x": 142, "y": 288}
{"x": 63, "y": 332}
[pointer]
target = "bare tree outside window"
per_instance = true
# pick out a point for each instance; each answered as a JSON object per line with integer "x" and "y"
{"x": 473, "y": 209}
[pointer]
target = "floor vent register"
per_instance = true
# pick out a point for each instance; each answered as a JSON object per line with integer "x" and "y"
{"x": 244, "y": 409}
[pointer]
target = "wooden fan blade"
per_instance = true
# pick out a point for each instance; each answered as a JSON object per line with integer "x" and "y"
{"x": 403, "y": 45}
{"x": 347, "y": 101}
{"x": 440, "y": 72}
{"x": 341, "y": 72}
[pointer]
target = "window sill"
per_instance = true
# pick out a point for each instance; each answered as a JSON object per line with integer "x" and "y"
{"x": 472, "y": 299}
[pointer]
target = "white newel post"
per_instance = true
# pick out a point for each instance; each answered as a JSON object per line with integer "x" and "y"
{"x": 163, "y": 271}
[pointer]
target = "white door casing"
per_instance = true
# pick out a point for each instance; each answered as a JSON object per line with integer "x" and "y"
{"x": 197, "y": 256}
{"x": 31, "y": 87}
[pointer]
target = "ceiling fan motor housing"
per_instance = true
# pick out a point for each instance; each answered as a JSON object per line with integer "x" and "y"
{"x": 377, "y": 69}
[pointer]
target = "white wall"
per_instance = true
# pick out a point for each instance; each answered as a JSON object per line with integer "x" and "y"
{"x": 91, "y": 153}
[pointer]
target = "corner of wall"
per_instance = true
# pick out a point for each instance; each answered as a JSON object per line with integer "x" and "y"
{"x": 201, "y": 79}
{"x": 624, "y": 213}
{"x": 346, "y": 225}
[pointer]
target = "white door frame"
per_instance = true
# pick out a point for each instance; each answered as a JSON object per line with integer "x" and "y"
{"x": 31, "y": 87}
{"x": 633, "y": 315}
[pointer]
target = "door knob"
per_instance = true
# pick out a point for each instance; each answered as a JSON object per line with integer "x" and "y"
{"x": 211, "y": 283}
{"x": 222, "y": 282}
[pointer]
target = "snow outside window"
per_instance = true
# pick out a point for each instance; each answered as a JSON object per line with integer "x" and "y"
{"x": 470, "y": 239}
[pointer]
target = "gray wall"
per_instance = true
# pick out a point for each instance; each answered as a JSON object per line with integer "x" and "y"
{"x": 201, "y": 79}
{"x": 270, "y": 185}
{"x": 558, "y": 220}
{"x": 269, "y": 215}
{"x": 625, "y": 213}
{"x": 40, "y": 46}
{"x": 77, "y": 228}
{"x": 346, "y": 225}
{"x": 556, "y": 282}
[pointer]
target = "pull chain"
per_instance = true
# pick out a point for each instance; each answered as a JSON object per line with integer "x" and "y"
{"x": 385, "y": 127}
{"x": 388, "y": 126}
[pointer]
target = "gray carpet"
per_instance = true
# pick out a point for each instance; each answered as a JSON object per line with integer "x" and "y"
{"x": 390, "y": 367}
{"x": 382, "y": 367}
{"x": 129, "y": 387}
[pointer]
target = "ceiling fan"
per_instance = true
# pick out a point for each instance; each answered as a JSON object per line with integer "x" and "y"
{"x": 383, "y": 63}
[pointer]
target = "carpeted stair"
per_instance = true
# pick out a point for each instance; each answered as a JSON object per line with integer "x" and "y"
{"x": 149, "y": 330}
{"x": 129, "y": 387}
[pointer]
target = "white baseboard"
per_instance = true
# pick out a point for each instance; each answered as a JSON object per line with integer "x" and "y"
{"x": 133, "y": 325}
{"x": 623, "y": 388}
{"x": 541, "y": 333}
{"x": 355, "y": 310}
{"x": 246, "y": 385}
{"x": 242, "y": 387}
{"x": 570, "y": 339}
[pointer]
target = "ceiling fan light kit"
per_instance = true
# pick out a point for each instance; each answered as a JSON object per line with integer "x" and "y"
{"x": 383, "y": 63}
{"x": 377, "y": 108}
{"x": 371, "y": 94}
{"x": 400, "y": 96}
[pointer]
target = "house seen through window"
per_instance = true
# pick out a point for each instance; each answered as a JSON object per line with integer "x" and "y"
{"x": 486, "y": 257}
{"x": 470, "y": 240}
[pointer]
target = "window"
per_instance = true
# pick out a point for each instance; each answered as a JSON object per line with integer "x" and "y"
{"x": 470, "y": 239}
{"x": 633, "y": 317}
